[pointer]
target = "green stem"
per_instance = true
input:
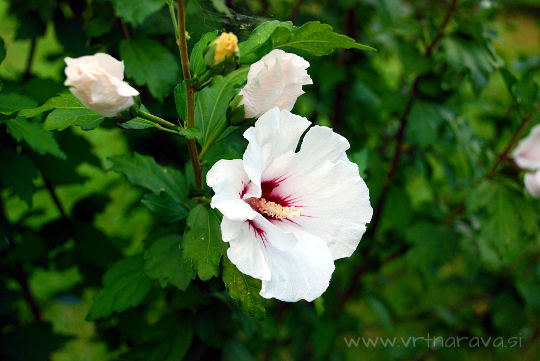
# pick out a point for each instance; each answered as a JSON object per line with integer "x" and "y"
{"x": 167, "y": 129}
{"x": 172, "y": 12}
{"x": 190, "y": 92}
{"x": 156, "y": 119}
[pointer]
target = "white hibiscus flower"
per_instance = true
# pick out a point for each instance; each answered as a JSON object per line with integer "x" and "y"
{"x": 288, "y": 215}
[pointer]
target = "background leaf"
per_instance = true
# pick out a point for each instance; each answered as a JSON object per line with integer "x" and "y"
{"x": 124, "y": 285}
{"x": 35, "y": 136}
{"x": 150, "y": 63}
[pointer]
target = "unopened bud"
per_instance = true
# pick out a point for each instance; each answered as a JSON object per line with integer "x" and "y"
{"x": 226, "y": 45}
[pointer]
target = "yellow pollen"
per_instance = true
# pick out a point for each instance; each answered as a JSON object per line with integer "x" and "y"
{"x": 274, "y": 210}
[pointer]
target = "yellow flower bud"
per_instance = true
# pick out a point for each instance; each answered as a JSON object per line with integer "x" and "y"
{"x": 226, "y": 46}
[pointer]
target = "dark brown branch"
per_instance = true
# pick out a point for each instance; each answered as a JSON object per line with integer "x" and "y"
{"x": 22, "y": 278}
{"x": 19, "y": 273}
{"x": 503, "y": 155}
{"x": 30, "y": 59}
{"x": 124, "y": 28}
{"x": 360, "y": 271}
{"x": 400, "y": 136}
{"x": 403, "y": 120}
{"x": 54, "y": 196}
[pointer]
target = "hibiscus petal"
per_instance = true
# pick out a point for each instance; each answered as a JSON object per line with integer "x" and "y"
{"x": 302, "y": 272}
{"x": 248, "y": 240}
{"x": 275, "y": 133}
{"x": 327, "y": 186}
{"x": 245, "y": 250}
{"x": 228, "y": 179}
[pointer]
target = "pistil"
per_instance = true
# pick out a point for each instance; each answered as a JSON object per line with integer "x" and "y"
{"x": 273, "y": 209}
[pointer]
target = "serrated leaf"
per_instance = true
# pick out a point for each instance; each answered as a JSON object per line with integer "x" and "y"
{"x": 150, "y": 63}
{"x": 212, "y": 102}
{"x": 165, "y": 207}
{"x": 145, "y": 172}
{"x": 244, "y": 289}
{"x": 318, "y": 39}
{"x": 67, "y": 111}
{"x": 165, "y": 262}
{"x": 196, "y": 60}
{"x": 202, "y": 241}
{"x": 313, "y": 37}
{"x": 124, "y": 285}
{"x": 137, "y": 124}
{"x": 135, "y": 12}
{"x": 11, "y": 103}
{"x": 35, "y": 136}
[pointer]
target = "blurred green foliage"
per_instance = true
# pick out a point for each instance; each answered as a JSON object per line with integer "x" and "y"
{"x": 456, "y": 251}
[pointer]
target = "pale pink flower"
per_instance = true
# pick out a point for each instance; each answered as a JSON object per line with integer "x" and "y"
{"x": 532, "y": 183}
{"x": 527, "y": 153}
{"x": 288, "y": 215}
{"x": 274, "y": 81}
{"x": 97, "y": 81}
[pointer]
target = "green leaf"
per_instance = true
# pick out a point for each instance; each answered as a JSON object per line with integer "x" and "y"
{"x": 137, "y": 124}
{"x": 167, "y": 340}
{"x": 202, "y": 241}
{"x": 526, "y": 93}
{"x": 11, "y": 103}
{"x": 244, "y": 289}
{"x": 68, "y": 111}
{"x": 259, "y": 43}
{"x": 165, "y": 262}
{"x": 475, "y": 58}
{"x": 425, "y": 119}
{"x": 124, "y": 285}
{"x": 212, "y": 102}
{"x": 165, "y": 207}
{"x": 196, "y": 60}
{"x": 17, "y": 173}
{"x": 190, "y": 133}
{"x": 135, "y": 12}
{"x": 143, "y": 171}
{"x": 2, "y": 50}
{"x": 313, "y": 37}
{"x": 35, "y": 136}
{"x": 150, "y": 63}
{"x": 361, "y": 160}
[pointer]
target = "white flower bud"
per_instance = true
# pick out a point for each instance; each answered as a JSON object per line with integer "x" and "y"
{"x": 532, "y": 183}
{"x": 97, "y": 81}
{"x": 274, "y": 81}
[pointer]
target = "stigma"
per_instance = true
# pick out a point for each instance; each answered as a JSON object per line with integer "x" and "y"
{"x": 273, "y": 209}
